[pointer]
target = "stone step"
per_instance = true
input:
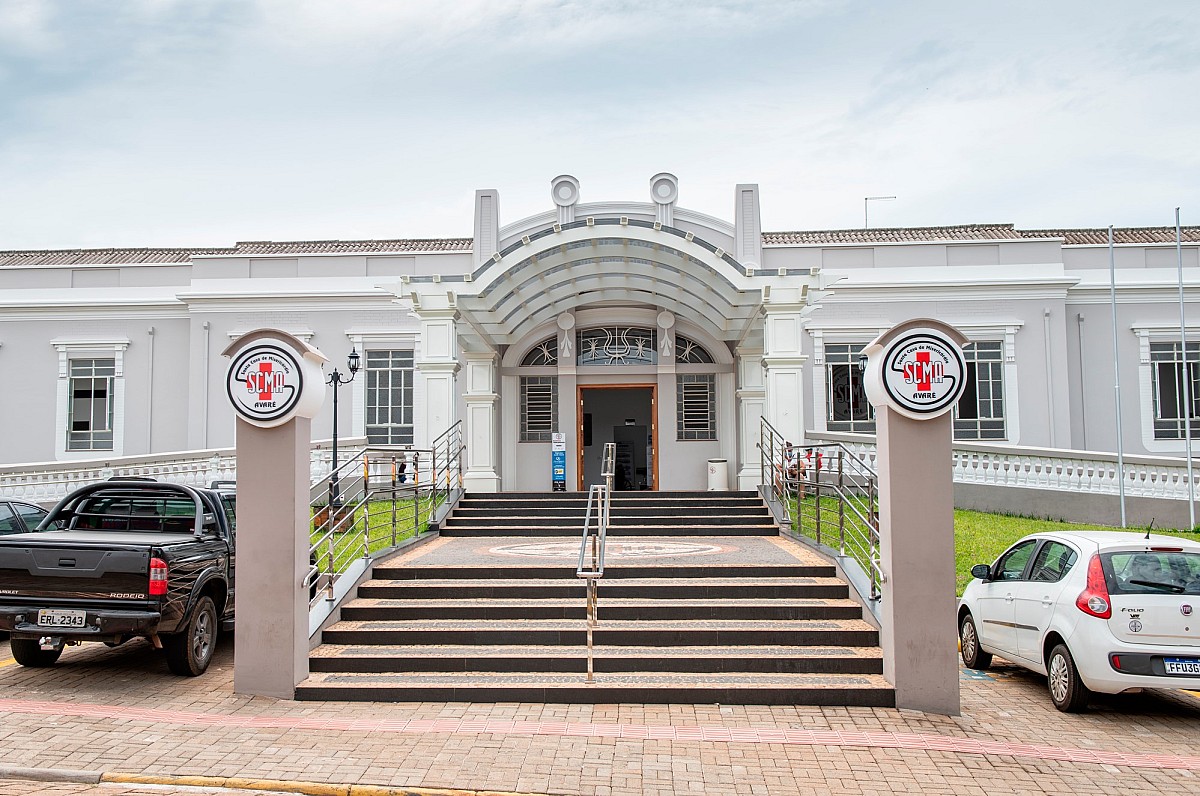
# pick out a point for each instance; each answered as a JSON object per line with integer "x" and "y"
{"x": 614, "y": 521}
{"x": 611, "y": 609}
{"x": 560, "y": 531}
{"x": 694, "y": 632}
{"x": 568, "y": 658}
{"x": 868, "y": 690}
{"x": 645, "y": 588}
{"x": 645, "y": 494}
{"x": 615, "y": 512}
{"x": 611, "y": 573}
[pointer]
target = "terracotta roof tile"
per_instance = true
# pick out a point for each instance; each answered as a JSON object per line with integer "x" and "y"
{"x": 962, "y": 232}
{"x": 968, "y": 232}
{"x": 243, "y": 248}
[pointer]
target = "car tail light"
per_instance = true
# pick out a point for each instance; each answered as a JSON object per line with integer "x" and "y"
{"x": 1166, "y": 549}
{"x": 158, "y": 576}
{"x": 1116, "y": 661}
{"x": 1093, "y": 600}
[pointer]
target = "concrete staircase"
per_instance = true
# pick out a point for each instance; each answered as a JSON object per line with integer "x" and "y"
{"x": 736, "y": 632}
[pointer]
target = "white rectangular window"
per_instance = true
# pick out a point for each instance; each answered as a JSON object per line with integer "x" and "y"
{"x": 696, "y": 406}
{"x": 90, "y": 405}
{"x": 845, "y": 398}
{"x": 1168, "y": 369}
{"x": 980, "y": 412}
{"x": 389, "y": 397}
{"x": 539, "y": 407}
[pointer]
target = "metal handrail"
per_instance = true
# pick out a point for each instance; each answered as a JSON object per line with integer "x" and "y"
{"x": 804, "y": 480}
{"x": 599, "y": 499}
{"x": 396, "y": 494}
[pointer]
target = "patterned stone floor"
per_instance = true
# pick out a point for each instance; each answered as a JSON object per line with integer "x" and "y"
{"x": 121, "y": 711}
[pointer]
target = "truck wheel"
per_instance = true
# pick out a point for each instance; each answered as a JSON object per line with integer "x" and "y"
{"x": 190, "y": 650}
{"x": 28, "y": 652}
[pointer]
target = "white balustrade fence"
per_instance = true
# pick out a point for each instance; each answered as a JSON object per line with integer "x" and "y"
{"x": 48, "y": 482}
{"x": 1081, "y": 472}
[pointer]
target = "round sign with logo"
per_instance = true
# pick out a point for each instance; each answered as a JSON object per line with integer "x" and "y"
{"x": 265, "y": 383}
{"x": 920, "y": 372}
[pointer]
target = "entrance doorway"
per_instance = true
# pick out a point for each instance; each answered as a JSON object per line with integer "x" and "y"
{"x": 623, "y": 414}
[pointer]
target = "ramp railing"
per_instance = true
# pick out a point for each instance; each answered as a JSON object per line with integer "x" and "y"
{"x": 591, "y": 568}
{"x": 373, "y": 502}
{"x": 829, "y": 495}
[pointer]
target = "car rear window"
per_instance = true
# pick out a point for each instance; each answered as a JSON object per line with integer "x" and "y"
{"x": 1152, "y": 572}
{"x": 103, "y": 512}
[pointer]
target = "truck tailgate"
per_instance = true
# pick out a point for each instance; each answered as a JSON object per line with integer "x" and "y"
{"x": 64, "y": 572}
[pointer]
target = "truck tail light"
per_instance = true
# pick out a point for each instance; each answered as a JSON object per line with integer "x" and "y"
{"x": 1093, "y": 600}
{"x": 158, "y": 577}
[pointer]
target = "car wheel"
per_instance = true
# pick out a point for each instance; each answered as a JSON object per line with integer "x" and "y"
{"x": 1067, "y": 691}
{"x": 190, "y": 651}
{"x": 28, "y": 652}
{"x": 968, "y": 641}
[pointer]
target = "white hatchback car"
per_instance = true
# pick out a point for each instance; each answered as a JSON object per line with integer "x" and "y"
{"x": 1093, "y": 610}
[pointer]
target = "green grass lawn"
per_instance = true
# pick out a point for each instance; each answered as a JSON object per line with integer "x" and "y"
{"x": 979, "y": 537}
{"x": 386, "y": 522}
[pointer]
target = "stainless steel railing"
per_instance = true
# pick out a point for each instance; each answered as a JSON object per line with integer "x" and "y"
{"x": 383, "y": 496}
{"x": 591, "y": 568}
{"x": 829, "y": 495}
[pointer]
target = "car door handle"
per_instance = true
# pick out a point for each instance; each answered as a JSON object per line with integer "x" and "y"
{"x": 1047, "y": 602}
{"x": 1008, "y": 598}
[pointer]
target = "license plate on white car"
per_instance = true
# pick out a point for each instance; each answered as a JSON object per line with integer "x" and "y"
{"x": 1182, "y": 665}
{"x": 57, "y": 617}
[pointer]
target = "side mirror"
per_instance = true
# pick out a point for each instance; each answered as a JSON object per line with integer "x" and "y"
{"x": 981, "y": 571}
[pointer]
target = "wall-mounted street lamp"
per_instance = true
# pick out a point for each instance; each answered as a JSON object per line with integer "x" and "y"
{"x": 336, "y": 379}
{"x": 866, "y": 204}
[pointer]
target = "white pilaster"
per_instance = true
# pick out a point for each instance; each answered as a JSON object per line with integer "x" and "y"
{"x": 751, "y": 397}
{"x": 783, "y": 359}
{"x": 482, "y": 406}
{"x": 438, "y": 367}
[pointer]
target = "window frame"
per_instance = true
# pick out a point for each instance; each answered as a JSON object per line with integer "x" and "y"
{"x": 538, "y": 435}
{"x": 699, "y": 432}
{"x": 392, "y": 430}
{"x": 70, "y": 350}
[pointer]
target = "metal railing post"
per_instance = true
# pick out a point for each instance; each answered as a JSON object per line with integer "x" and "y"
{"x": 393, "y": 501}
{"x": 841, "y": 502}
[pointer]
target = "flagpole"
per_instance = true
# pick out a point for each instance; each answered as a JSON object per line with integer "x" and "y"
{"x": 1187, "y": 380}
{"x": 1112, "y": 292}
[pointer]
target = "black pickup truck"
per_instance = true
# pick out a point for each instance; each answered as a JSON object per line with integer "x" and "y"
{"x": 118, "y": 560}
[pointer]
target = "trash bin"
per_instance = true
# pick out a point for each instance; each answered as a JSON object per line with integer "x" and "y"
{"x": 718, "y": 475}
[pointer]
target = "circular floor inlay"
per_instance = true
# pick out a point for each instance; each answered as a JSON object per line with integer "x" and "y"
{"x": 613, "y": 550}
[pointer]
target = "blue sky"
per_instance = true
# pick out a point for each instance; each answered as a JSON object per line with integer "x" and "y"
{"x": 163, "y": 122}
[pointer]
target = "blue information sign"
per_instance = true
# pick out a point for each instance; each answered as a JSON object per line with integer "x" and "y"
{"x": 558, "y": 463}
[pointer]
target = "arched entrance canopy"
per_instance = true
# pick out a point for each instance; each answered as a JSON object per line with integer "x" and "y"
{"x": 599, "y": 261}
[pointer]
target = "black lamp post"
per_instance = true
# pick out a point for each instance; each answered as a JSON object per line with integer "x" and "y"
{"x": 335, "y": 378}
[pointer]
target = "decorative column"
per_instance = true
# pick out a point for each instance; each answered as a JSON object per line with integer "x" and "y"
{"x": 480, "y": 433}
{"x": 569, "y": 410}
{"x": 438, "y": 365}
{"x": 751, "y": 399}
{"x": 783, "y": 361}
{"x": 667, "y": 398}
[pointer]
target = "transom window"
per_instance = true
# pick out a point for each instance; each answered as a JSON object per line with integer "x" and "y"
{"x": 90, "y": 407}
{"x": 1168, "y": 368}
{"x": 544, "y": 354}
{"x": 617, "y": 345}
{"x": 689, "y": 352}
{"x": 390, "y": 397}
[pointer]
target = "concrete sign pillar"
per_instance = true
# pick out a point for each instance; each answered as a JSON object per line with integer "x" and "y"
{"x": 914, "y": 376}
{"x": 275, "y": 385}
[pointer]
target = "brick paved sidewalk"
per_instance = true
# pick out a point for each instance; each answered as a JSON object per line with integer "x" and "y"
{"x": 120, "y": 711}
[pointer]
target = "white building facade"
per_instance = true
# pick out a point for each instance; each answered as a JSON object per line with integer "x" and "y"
{"x": 667, "y": 331}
